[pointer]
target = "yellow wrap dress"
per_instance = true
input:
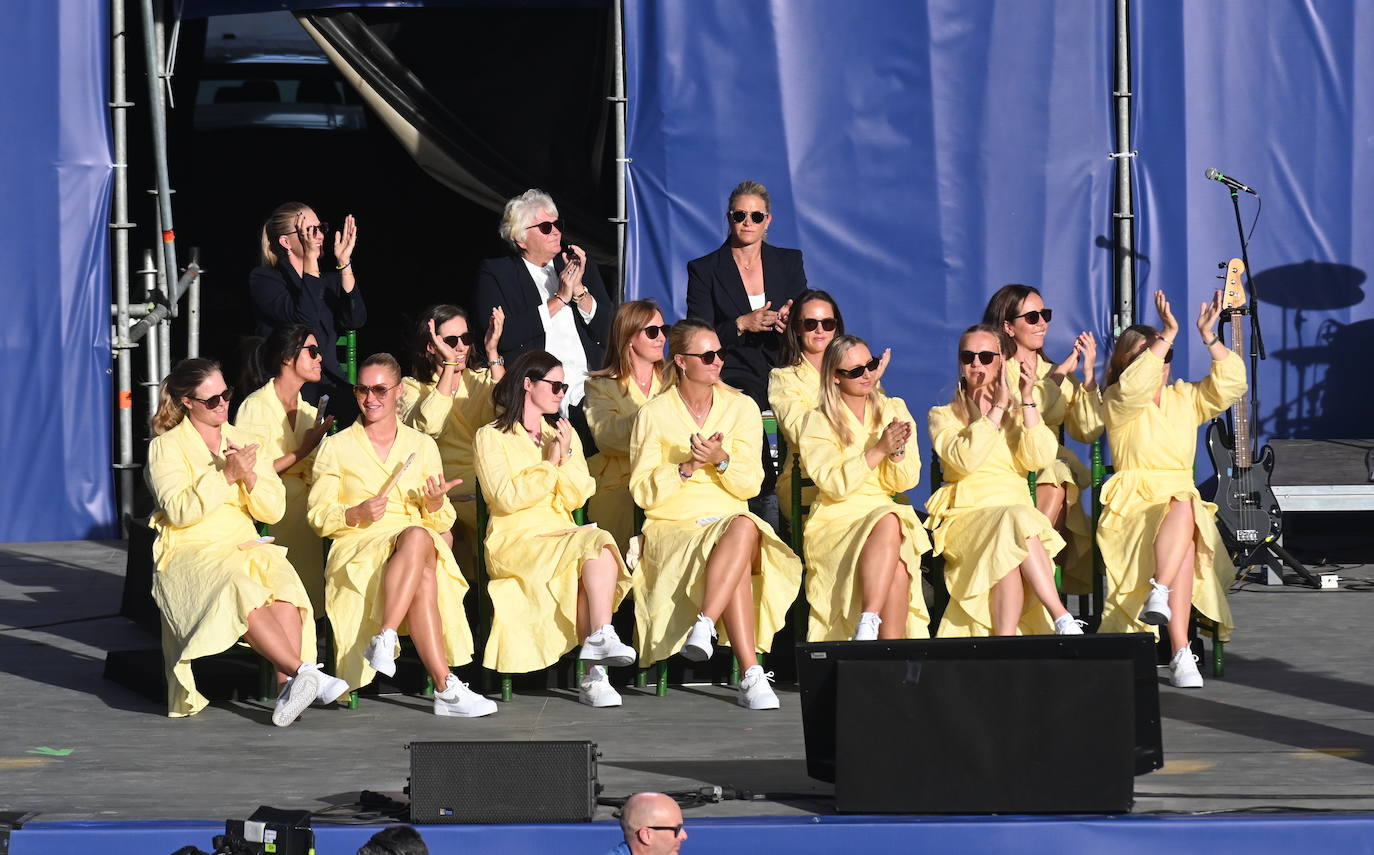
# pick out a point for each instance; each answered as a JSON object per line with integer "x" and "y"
{"x": 611, "y": 406}
{"x": 793, "y": 391}
{"x": 981, "y": 518}
{"x": 686, "y": 517}
{"x": 347, "y": 472}
{"x": 205, "y": 585}
{"x": 535, "y": 551}
{"x": 453, "y": 422}
{"x": 1152, "y": 452}
{"x": 851, "y": 500}
{"x": 263, "y": 415}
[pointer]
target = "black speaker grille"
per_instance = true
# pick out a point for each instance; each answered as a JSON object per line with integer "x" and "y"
{"x": 502, "y": 782}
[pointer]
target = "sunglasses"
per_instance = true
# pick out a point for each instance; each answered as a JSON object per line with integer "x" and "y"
{"x": 756, "y": 216}
{"x": 454, "y": 340}
{"x": 1034, "y": 317}
{"x": 547, "y": 226}
{"x": 984, "y": 356}
{"x": 213, "y": 402}
{"x": 378, "y": 391}
{"x": 312, "y": 349}
{"x": 675, "y": 829}
{"x": 709, "y": 356}
{"x": 859, "y": 370}
{"x": 559, "y": 387}
{"x": 827, "y": 324}
{"x": 654, "y": 332}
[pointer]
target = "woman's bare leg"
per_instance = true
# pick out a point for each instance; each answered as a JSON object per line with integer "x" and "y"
{"x": 413, "y": 551}
{"x": 596, "y": 591}
{"x": 426, "y": 625}
{"x": 729, "y": 562}
{"x": 1052, "y": 501}
{"x": 1038, "y": 571}
{"x": 896, "y": 604}
{"x": 877, "y": 563}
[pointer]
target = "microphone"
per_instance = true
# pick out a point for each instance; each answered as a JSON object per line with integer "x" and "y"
{"x": 1215, "y": 174}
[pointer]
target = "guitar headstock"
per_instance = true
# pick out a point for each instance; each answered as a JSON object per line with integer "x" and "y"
{"x": 1233, "y": 292}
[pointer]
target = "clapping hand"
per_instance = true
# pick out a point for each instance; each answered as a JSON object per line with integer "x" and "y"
{"x": 496, "y": 324}
{"x": 446, "y": 353}
{"x": 1166, "y": 316}
{"x": 882, "y": 364}
{"x": 780, "y": 324}
{"x": 1207, "y": 317}
{"x": 313, "y": 436}
{"x": 368, "y": 510}
{"x": 561, "y": 446}
{"x": 239, "y": 462}
{"x": 435, "y": 490}
{"x": 708, "y": 450}
{"x": 310, "y": 251}
{"x": 894, "y": 438}
{"x": 759, "y": 320}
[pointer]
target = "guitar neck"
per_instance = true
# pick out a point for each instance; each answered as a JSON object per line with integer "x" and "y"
{"x": 1240, "y": 411}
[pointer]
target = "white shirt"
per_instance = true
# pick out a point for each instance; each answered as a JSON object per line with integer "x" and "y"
{"x": 756, "y": 301}
{"x": 560, "y": 333}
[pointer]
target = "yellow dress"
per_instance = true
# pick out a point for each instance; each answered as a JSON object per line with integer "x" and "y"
{"x": 793, "y": 391}
{"x": 1152, "y": 451}
{"x": 347, "y": 472}
{"x": 980, "y": 519}
{"x": 535, "y": 552}
{"x": 852, "y": 499}
{"x": 262, "y": 414}
{"x": 453, "y": 422}
{"x": 611, "y": 406}
{"x": 205, "y": 585}
{"x": 685, "y": 518}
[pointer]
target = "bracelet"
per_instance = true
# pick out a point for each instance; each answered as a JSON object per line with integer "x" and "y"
{"x": 578, "y": 297}
{"x": 1167, "y": 341}
{"x": 898, "y": 453}
{"x": 1032, "y": 406}
{"x": 344, "y": 266}
{"x": 560, "y": 299}
{"x": 1215, "y": 339}
{"x": 500, "y": 360}
{"x": 680, "y": 473}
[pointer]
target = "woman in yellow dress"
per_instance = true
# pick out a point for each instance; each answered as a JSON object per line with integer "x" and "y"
{"x": 1158, "y": 538}
{"x": 553, "y": 583}
{"x": 695, "y": 461}
{"x": 863, "y": 551}
{"x": 216, "y": 581}
{"x": 997, "y": 545}
{"x": 380, "y": 493}
{"x": 1064, "y": 402}
{"x": 448, "y": 397}
{"x": 288, "y": 430}
{"x": 633, "y": 374}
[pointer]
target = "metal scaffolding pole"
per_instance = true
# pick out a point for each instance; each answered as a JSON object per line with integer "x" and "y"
{"x": 192, "y": 303}
{"x": 119, "y": 237}
{"x": 150, "y": 344}
{"x": 1124, "y": 216}
{"x": 154, "y": 56}
{"x": 619, "y": 103}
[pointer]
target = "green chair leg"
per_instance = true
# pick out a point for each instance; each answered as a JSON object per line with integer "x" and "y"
{"x": 734, "y": 672}
{"x": 267, "y": 681}
{"x": 580, "y": 670}
{"x": 641, "y": 678}
{"x": 353, "y": 699}
{"x": 662, "y": 688}
{"x": 429, "y": 688}
{"x": 1218, "y": 658}
{"x": 506, "y": 693}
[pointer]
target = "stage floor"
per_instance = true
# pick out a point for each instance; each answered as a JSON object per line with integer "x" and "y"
{"x": 1291, "y": 725}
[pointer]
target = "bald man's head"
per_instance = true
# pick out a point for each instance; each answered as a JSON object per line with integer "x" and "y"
{"x": 644, "y": 818}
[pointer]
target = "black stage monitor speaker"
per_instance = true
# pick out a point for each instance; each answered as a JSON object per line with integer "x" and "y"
{"x": 502, "y": 782}
{"x": 1016, "y": 695}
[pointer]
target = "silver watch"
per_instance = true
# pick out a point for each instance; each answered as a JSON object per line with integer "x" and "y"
{"x": 723, "y": 465}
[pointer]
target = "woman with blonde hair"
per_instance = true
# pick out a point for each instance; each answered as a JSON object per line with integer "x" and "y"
{"x": 553, "y": 584}
{"x": 695, "y": 461}
{"x": 863, "y": 551}
{"x": 997, "y": 546}
{"x": 1159, "y": 540}
{"x": 216, "y": 580}
{"x": 632, "y": 375}
{"x": 380, "y": 493}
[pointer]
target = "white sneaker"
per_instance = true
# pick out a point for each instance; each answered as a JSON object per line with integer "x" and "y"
{"x": 604, "y": 647}
{"x": 754, "y": 691}
{"x": 381, "y": 652}
{"x": 1156, "y": 611}
{"x": 867, "y": 629}
{"x": 298, "y": 693}
{"x": 698, "y": 647}
{"x": 461, "y": 702}
{"x": 1066, "y": 624}
{"x": 331, "y": 688}
{"x": 595, "y": 689}
{"x": 1183, "y": 671}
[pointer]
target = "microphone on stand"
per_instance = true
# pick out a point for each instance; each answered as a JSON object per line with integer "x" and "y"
{"x": 1216, "y": 175}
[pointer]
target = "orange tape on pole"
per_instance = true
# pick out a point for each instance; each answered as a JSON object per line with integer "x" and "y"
{"x": 126, "y": 399}
{"x": 169, "y": 236}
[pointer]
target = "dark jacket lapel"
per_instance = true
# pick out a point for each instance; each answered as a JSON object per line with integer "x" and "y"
{"x": 729, "y": 282}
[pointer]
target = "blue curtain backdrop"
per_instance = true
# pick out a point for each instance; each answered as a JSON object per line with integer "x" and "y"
{"x": 921, "y": 154}
{"x": 55, "y": 157}
{"x": 1278, "y": 93}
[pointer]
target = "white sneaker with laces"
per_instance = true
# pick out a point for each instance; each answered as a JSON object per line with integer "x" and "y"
{"x": 698, "y": 646}
{"x": 331, "y": 688}
{"x": 461, "y": 702}
{"x": 381, "y": 652}
{"x": 298, "y": 693}
{"x": 1183, "y": 671}
{"x": 1156, "y": 611}
{"x": 754, "y": 691}
{"x": 595, "y": 690}
{"x": 867, "y": 630}
{"x": 1066, "y": 624}
{"x": 604, "y": 647}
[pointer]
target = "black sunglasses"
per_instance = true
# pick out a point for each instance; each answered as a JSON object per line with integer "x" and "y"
{"x": 377, "y": 391}
{"x": 559, "y": 387}
{"x": 312, "y": 349}
{"x": 984, "y": 356}
{"x": 654, "y": 332}
{"x": 756, "y": 216}
{"x": 858, "y": 370}
{"x": 547, "y": 226}
{"x": 675, "y": 829}
{"x": 1034, "y": 317}
{"x": 213, "y": 402}
{"x": 827, "y": 324}
{"x": 453, "y": 340}
{"x": 709, "y": 356}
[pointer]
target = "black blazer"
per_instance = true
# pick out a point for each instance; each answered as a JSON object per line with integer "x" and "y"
{"x": 281, "y": 297}
{"x": 506, "y": 282}
{"x": 715, "y": 294}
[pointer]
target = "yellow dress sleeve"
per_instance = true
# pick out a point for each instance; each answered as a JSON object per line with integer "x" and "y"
{"x": 324, "y": 507}
{"x": 266, "y": 502}
{"x": 790, "y": 403}
{"x": 744, "y": 444}
{"x": 1083, "y": 418}
{"x": 431, "y": 464}
{"x": 961, "y": 448}
{"x": 1035, "y": 448}
{"x": 1134, "y": 390}
{"x": 898, "y": 476}
{"x": 610, "y": 416}
{"x": 255, "y": 418}
{"x": 575, "y": 483}
{"x": 653, "y": 480}
{"x": 837, "y": 470}
{"x": 183, "y": 499}
{"x": 506, "y": 489}
{"x": 424, "y": 407}
{"x": 1222, "y": 387}
{"x": 1050, "y": 399}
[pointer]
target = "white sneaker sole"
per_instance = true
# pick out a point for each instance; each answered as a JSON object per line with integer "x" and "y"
{"x": 692, "y": 653}
{"x": 305, "y": 687}
{"x": 762, "y": 704}
{"x": 448, "y": 712}
{"x": 608, "y": 661}
{"x": 599, "y": 704}
{"x": 1188, "y": 682}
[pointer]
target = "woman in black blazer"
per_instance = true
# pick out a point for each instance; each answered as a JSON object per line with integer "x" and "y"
{"x": 745, "y": 290}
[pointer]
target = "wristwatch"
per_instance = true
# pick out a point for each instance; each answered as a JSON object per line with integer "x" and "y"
{"x": 723, "y": 465}
{"x": 500, "y": 360}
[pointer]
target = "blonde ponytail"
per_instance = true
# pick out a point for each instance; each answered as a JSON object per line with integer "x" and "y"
{"x": 186, "y": 377}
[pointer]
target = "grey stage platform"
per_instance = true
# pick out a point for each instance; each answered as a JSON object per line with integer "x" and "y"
{"x": 1292, "y": 726}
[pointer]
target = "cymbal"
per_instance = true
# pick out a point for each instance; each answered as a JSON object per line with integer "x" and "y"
{"x": 1311, "y": 285}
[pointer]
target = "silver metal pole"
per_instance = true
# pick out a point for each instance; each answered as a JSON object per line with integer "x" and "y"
{"x": 192, "y": 303}
{"x": 153, "y": 364}
{"x": 1124, "y": 215}
{"x": 119, "y": 228}
{"x": 153, "y": 52}
{"x": 620, "y": 105}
